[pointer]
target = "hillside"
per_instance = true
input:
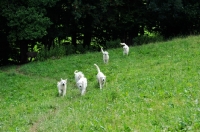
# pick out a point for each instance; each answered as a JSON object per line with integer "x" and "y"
{"x": 155, "y": 88}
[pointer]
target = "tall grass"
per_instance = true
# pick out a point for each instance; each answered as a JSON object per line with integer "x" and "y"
{"x": 155, "y": 88}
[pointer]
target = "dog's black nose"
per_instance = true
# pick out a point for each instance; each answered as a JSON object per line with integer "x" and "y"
{"x": 63, "y": 84}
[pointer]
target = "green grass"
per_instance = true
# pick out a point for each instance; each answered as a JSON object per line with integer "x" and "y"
{"x": 155, "y": 88}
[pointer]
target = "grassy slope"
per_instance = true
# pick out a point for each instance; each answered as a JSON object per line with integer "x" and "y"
{"x": 155, "y": 88}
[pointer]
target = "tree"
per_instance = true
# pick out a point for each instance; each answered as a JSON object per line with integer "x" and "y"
{"x": 173, "y": 17}
{"x": 26, "y": 21}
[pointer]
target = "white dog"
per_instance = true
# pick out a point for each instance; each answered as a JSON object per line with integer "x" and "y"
{"x": 101, "y": 78}
{"x": 82, "y": 85}
{"x": 78, "y": 75}
{"x": 125, "y": 49}
{"x": 105, "y": 56}
{"x": 62, "y": 87}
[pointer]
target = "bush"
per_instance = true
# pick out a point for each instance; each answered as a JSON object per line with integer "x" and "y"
{"x": 113, "y": 44}
{"x": 69, "y": 49}
{"x": 54, "y": 52}
{"x": 145, "y": 39}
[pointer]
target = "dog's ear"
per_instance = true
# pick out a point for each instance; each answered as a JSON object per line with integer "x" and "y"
{"x": 66, "y": 80}
{"x": 61, "y": 79}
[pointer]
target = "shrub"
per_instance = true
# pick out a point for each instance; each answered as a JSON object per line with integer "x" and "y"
{"x": 113, "y": 44}
{"x": 69, "y": 49}
{"x": 54, "y": 52}
{"x": 145, "y": 39}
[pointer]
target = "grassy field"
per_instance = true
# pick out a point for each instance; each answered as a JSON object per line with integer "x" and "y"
{"x": 155, "y": 88}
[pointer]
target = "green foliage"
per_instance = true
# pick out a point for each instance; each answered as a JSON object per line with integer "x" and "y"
{"x": 69, "y": 49}
{"x": 54, "y": 53}
{"x": 155, "y": 88}
{"x": 145, "y": 39}
{"x": 175, "y": 17}
{"x": 23, "y": 22}
{"x": 26, "y": 26}
{"x": 61, "y": 50}
{"x": 45, "y": 20}
{"x": 113, "y": 44}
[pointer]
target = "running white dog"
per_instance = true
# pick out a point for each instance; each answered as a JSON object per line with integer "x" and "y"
{"x": 105, "y": 56}
{"x": 101, "y": 78}
{"x": 82, "y": 85}
{"x": 125, "y": 49}
{"x": 78, "y": 75}
{"x": 62, "y": 87}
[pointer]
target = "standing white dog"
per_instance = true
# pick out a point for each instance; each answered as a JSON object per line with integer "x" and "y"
{"x": 125, "y": 49}
{"x": 101, "y": 78}
{"x": 62, "y": 87}
{"x": 105, "y": 56}
{"x": 78, "y": 75}
{"x": 82, "y": 85}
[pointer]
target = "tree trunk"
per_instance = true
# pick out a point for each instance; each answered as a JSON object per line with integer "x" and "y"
{"x": 87, "y": 40}
{"x": 87, "y": 31}
{"x": 4, "y": 50}
{"x": 133, "y": 33}
{"x": 23, "y": 51}
{"x": 74, "y": 39}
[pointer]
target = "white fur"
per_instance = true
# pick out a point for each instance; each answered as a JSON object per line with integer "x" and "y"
{"x": 105, "y": 56}
{"x": 101, "y": 78}
{"x": 82, "y": 85}
{"x": 62, "y": 87}
{"x": 78, "y": 75}
{"x": 125, "y": 49}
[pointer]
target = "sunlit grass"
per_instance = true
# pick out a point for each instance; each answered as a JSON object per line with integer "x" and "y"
{"x": 155, "y": 88}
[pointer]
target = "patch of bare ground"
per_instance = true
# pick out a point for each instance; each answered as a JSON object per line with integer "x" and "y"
{"x": 36, "y": 124}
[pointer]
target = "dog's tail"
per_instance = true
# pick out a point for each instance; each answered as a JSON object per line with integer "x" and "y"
{"x": 75, "y": 71}
{"x": 102, "y": 50}
{"x": 97, "y": 68}
{"x": 123, "y": 44}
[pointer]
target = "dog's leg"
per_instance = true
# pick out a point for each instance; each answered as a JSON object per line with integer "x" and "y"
{"x": 99, "y": 82}
{"x": 83, "y": 91}
{"x": 106, "y": 60}
{"x": 83, "y": 88}
{"x": 60, "y": 92}
{"x": 100, "y": 85}
{"x": 64, "y": 92}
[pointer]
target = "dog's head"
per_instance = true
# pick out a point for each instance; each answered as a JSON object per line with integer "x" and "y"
{"x": 80, "y": 75}
{"x": 80, "y": 84}
{"x": 63, "y": 82}
{"x": 103, "y": 79}
{"x": 105, "y": 53}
